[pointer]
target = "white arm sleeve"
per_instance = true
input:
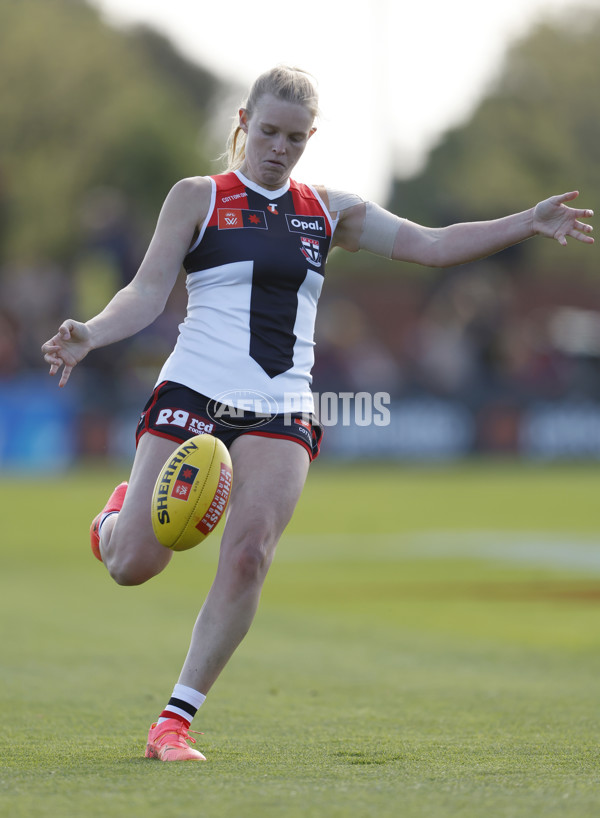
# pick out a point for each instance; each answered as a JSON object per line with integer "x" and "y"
{"x": 339, "y": 200}
{"x": 379, "y": 230}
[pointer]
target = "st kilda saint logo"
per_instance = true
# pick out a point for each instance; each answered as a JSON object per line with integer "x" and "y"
{"x": 311, "y": 250}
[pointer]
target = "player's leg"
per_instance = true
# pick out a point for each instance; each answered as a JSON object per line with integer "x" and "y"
{"x": 268, "y": 478}
{"x": 129, "y": 549}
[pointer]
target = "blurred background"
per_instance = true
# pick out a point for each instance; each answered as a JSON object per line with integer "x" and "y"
{"x": 104, "y": 107}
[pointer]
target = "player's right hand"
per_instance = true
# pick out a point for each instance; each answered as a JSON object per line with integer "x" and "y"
{"x": 70, "y": 345}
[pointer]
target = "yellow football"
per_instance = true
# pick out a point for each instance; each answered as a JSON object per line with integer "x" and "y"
{"x": 191, "y": 492}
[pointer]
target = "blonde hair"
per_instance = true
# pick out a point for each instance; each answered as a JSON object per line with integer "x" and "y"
{"x": 289, "y": 84}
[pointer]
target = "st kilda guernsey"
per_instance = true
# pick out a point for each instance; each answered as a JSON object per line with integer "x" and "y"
{"x": 254, "y": 276}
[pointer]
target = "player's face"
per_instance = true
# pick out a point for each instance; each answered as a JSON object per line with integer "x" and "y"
{"x": 277, "y": 134}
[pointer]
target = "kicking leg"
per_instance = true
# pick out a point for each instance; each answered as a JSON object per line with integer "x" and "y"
{"x": 128, "y": 547}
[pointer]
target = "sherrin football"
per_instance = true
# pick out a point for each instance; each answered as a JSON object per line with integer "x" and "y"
{"x": 191, "y": 492}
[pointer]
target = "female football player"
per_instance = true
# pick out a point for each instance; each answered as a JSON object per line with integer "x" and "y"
{"x": 253, "y": 243}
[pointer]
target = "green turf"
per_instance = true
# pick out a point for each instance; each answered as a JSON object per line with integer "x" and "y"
{"x": 427, "y": 645}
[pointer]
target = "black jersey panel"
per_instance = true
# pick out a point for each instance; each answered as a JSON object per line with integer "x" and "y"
{"x": 282, "y": 246}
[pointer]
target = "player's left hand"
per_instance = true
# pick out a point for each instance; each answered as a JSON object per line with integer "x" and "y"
{"x": 552, "y": 218}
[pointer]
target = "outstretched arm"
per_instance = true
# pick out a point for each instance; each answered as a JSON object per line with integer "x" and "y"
{"x": 138, "y": 304}
{"x": 460, "y": 243}
{"x": 372, "y": 228}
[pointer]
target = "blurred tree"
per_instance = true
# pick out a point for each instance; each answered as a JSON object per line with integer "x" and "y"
{"x": 85, "y": 105}
{"x": 535, "y": 134}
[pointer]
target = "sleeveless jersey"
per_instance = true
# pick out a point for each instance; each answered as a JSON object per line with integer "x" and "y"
{"x": 254, "y": 276}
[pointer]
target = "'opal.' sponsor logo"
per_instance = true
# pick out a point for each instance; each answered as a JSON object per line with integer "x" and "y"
{"x": 313, "y": 225}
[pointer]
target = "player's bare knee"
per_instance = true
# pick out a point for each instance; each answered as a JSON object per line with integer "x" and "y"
{"x": 132, "y": 575}
{"x": 129, "y": 569}
{"x": 125, "y": 574}
{"x": 251, "y": 559}
{"x": 252, "y": 562}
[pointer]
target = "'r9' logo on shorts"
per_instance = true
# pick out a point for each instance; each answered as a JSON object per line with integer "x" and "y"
{"x": 184, "y": 420}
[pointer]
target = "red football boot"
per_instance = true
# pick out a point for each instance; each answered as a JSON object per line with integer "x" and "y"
{"x": 167, "y": 741}
{"x": 114, "y": 503}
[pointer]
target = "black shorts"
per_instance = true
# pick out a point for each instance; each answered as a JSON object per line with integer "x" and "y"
{"x": 178, "y": 413}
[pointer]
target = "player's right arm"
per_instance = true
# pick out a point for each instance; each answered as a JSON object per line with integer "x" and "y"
{"x": 140, "y": 302}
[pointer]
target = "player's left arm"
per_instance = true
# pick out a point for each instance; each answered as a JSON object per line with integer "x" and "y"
{"x": 367, "y": 226}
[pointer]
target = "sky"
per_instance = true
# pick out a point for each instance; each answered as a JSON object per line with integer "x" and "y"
{"x": 392, "y": 75}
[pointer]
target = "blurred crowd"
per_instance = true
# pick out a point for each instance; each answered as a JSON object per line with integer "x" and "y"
{"x": 476, "y": 335}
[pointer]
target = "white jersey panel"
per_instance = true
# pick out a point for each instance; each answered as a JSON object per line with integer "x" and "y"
{"x": 211, "y": 353}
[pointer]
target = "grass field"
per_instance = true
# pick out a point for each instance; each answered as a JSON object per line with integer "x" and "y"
{"x": 427, "y": 645}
